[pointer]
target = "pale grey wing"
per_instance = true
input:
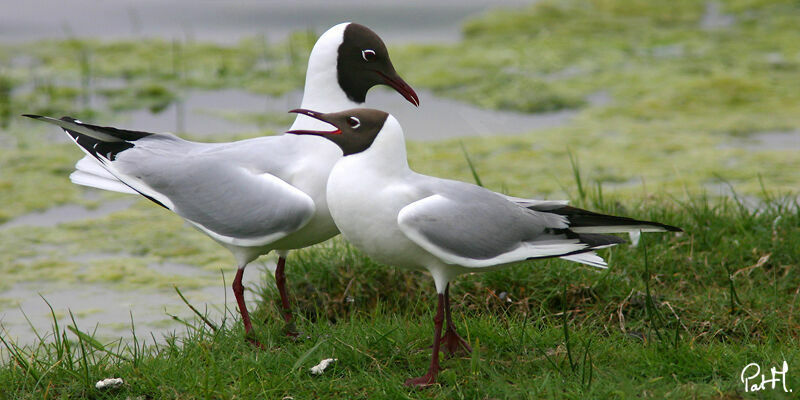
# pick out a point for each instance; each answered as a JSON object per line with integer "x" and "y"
{"x": 231, "y": 191}
{"x": 216, "y": 188}
{"x": 474, "y": 227}
{"x": 237, "y": 207}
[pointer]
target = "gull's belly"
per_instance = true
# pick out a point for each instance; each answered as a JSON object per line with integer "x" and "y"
{"x": 365, "y": 211}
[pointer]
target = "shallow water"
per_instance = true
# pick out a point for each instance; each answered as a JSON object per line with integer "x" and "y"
{"x": 108, "y": 310}
{"x": 777, "y": 140}
{"x": 713, "y": 18}
{"x": 203, "y": 109}
{"x": 69, "y": 213}
{"x": 435, "y": 119}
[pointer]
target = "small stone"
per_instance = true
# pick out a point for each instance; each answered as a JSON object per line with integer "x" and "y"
{"x": 505, "y": 296}
{"x": 110, "y": 383}
{"x": 320, "y": 368}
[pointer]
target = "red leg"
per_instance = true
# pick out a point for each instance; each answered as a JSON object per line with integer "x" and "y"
{"x": 453, "y": 343}
{"x": 430, "y": 377}
{"x": 280, "y": 281}
{"x": 238, "y": 291}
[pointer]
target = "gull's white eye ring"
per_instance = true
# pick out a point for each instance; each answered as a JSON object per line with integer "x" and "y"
{"x": 368, "y": 55}
{"x": 354, "y": 122}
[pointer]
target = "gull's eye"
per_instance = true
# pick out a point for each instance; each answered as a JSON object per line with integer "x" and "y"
{"x": 354, "y": 122}
{"x": 368, "y": 55}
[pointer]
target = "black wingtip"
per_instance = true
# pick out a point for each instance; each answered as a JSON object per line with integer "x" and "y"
{"x": 582, "y": 218}
{"x": 673, "y": 228}
{"x": 668, "y": 228}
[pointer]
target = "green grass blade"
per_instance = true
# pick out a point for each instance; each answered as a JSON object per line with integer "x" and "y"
{"x": 471, "y": 165}
{"x": 566, "y": 329}
{"x": 94, "y": 343}
{"x": 306, "y": 355}
{"x": 576, "y": 173}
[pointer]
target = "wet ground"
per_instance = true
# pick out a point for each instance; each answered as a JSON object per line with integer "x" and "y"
{"x": 67, "y": 213}
{"x": 205, "y": 112}
{"x": 108, "y": 310}
{"x": 779, "y": 140}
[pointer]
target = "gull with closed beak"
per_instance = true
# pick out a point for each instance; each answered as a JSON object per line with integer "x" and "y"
{"x": 252, "y": 196}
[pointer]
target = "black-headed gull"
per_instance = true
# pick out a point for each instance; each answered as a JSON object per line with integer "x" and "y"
{"x": 402, "y": 218}
{"x": 252, "y": 196}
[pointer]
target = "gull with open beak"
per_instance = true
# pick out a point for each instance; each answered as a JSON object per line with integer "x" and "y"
{"x": 409, "y": 220}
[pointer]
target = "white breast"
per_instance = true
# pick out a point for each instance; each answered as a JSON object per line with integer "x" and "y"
{"x": 308, "y": 172}
{"x": 365, "y": 205}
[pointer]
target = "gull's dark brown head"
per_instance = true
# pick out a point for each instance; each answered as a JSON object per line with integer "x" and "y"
{"x": 352, "y": 130}
{"x": 363, "y": 62}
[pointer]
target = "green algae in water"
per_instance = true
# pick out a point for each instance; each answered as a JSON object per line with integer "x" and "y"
{"x": 263, "y": 120}
{"x": 151, "y": 96}
{"x": 668, "y": 79}
{"x": 656, "y": 65}
{"x": 678, "y": 92}
{"x": 144, "y": 74}
{"x": 48, "y": 268}
{"x": 143, "y": 232}
{"x": 35, "y": 178}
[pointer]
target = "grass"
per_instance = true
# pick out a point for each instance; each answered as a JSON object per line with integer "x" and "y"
{"x": 678, "y": 316}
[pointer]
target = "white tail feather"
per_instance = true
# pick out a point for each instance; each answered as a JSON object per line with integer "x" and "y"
{"x": 91, "y": 166}
{"x": 131, "y": 183}
{"x": 589, "y": 258}
{"x": 95, "y": 181}
{"x": 89, "y": 172}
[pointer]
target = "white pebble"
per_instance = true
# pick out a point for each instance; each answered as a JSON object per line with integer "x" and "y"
{"x": 320, "y": 368}
{"x": 110, "y": 383}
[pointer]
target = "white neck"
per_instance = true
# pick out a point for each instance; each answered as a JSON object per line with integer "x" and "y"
{"x": 387, "y": 154}
{"x": 322, "y": 91}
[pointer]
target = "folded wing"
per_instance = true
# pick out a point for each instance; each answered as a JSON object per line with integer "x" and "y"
{"x": 476, "y": 228}
{"x": 217, "y": 188}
